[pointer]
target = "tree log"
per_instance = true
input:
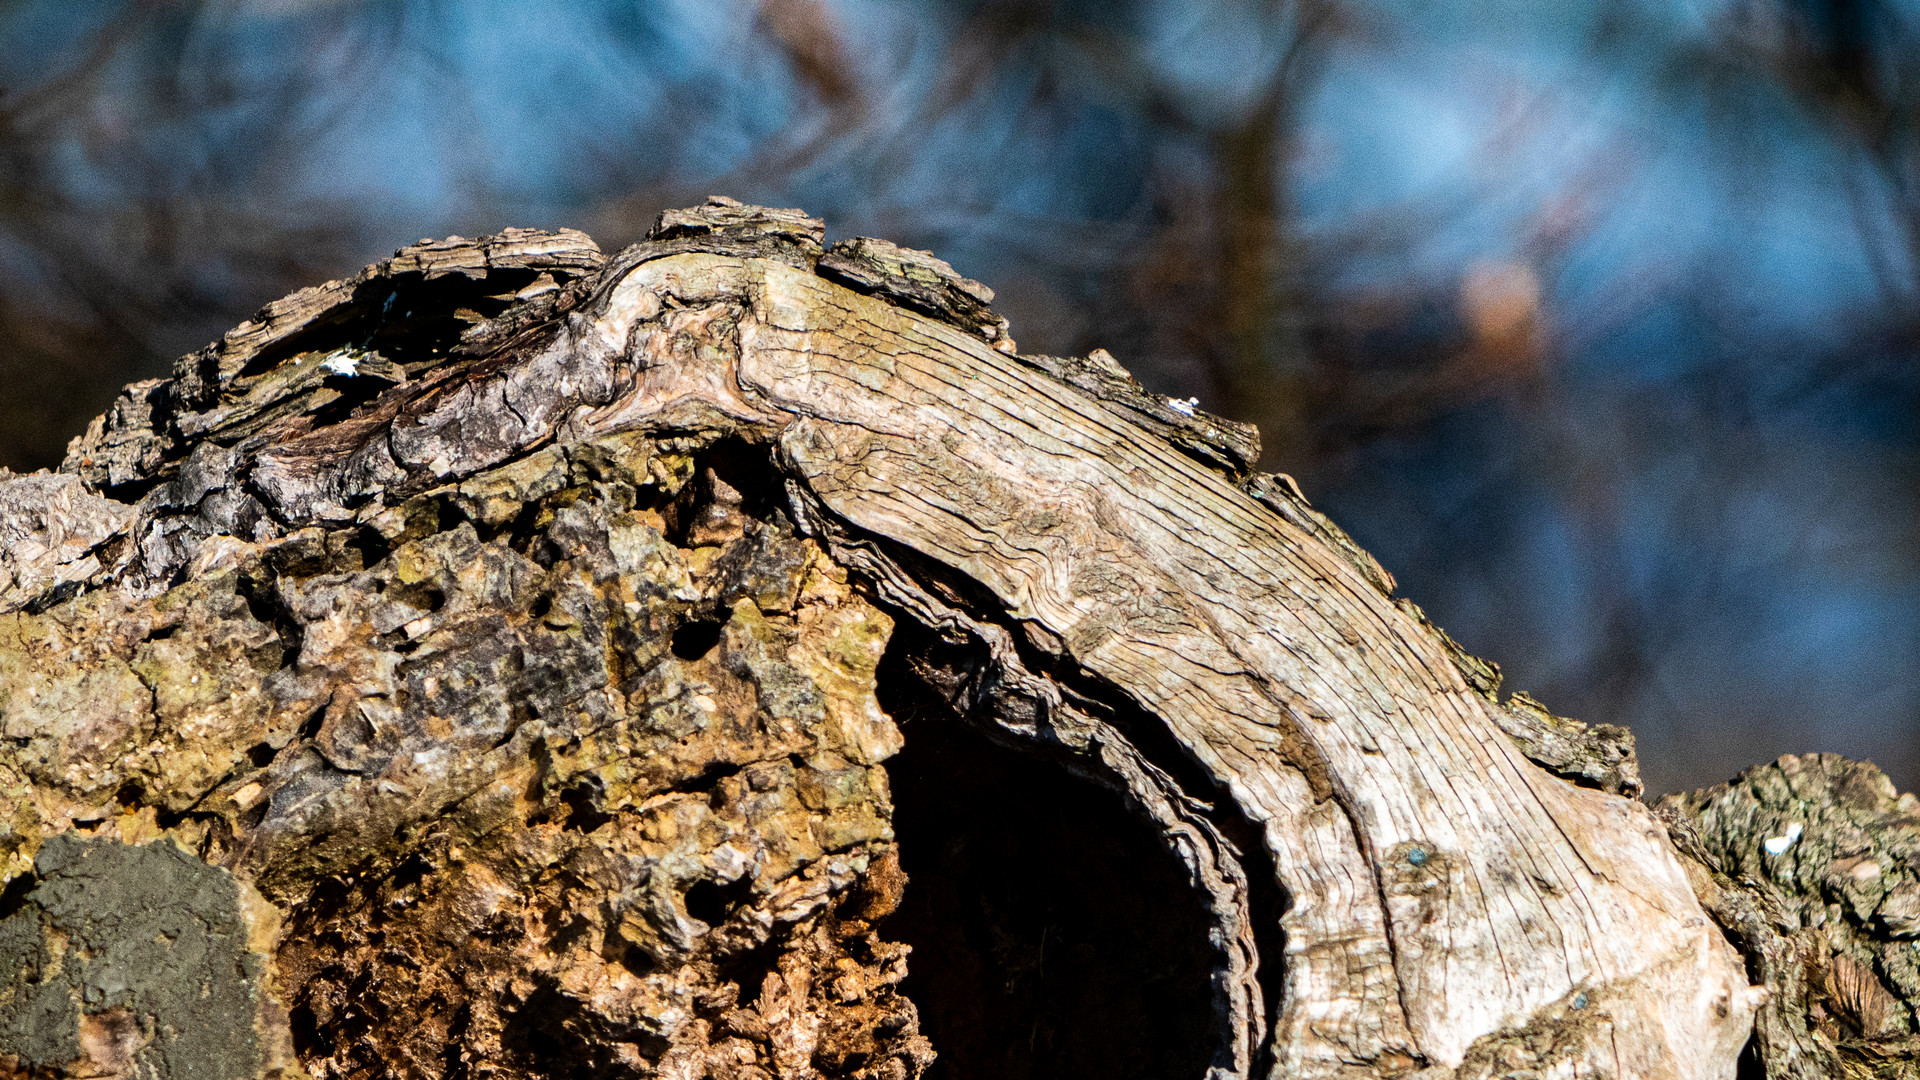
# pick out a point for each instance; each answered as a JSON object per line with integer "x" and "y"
{"x": 485, "y": 666}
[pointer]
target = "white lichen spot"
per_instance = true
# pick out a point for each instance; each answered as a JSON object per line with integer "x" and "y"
{"x": 342, "y": 362}
{"x": 1186, "y": 407}
{"x": 1777, "y": 845}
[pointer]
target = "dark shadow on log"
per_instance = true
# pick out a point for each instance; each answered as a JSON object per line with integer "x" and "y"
{"x": 1053, "y": 935}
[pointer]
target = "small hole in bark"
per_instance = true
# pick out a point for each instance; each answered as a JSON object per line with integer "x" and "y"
{"x": 309, "y": 1041}
{"x": 534, "y": 1029}
{"x": 696, "y": 639}
{"x": 582, "y": 815}
{"x": 409, "y": 877}
{"x": 260, "y": 755}
{"x": 521, "y": 532}
{"x": 711, "y": 902}
{"x": 14, "y": 896}
{"x": 447, "y": 515}
{"x": 262, "y": 604}
{"x": 744, "y": 469}
{"x": 749, "y": 971}
{"x": 454, "y": 1059}
{"x": 371, "y": 547}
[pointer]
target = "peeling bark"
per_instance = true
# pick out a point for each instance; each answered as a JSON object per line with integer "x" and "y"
{"x": 522, "y": 637}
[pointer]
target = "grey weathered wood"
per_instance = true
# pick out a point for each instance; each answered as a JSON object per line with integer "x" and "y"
{"x": 1469, "y": 887}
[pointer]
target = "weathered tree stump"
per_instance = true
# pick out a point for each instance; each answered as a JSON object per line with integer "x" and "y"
{"x": 485, "y": 667}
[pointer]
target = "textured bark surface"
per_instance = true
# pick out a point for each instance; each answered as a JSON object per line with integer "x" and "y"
{"x": 575, "y": 798}
{"x": 506, "y": 632}
{"x": 1813, "y": 863}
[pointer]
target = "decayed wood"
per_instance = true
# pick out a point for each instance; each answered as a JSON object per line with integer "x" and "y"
{"x": 1443, "y": 890}
{"x": 1468, "y": 887}
{"x": 598, "y": 794}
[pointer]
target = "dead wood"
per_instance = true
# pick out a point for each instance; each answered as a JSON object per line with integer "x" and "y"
{"x": 504, "y": 646}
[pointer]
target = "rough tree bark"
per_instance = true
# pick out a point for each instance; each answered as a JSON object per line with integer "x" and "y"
{"x": 485, "y": 666}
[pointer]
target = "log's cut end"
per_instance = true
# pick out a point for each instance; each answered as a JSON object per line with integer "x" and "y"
{"x": 526, "y": 638}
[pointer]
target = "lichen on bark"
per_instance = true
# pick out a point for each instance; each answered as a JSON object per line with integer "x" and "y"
{"x": 1813, "y": 864}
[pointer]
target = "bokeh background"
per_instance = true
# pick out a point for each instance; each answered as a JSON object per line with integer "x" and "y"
{"x": 1595, "y": 320}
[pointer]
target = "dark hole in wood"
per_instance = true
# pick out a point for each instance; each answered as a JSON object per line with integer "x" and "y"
{"x": 1750, "y": 1067}
{"x": 14, "y": 896}
{"x": 1053, "y": 936}
{"x": 694, "y": 640}
{"x": 550, "y": 1037}
{"x": 711, "y": 902}
{"x": 371, "y": 547}
{"x": 582, "y": 813}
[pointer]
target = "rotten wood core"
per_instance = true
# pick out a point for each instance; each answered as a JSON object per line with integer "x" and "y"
{"x": 556, "y": 660}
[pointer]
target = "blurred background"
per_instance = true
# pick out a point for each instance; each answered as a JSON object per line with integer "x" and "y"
{"x": 1596, "y": 321}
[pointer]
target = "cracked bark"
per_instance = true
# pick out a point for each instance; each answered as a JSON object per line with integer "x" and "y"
{"x": 540, "y": 664}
